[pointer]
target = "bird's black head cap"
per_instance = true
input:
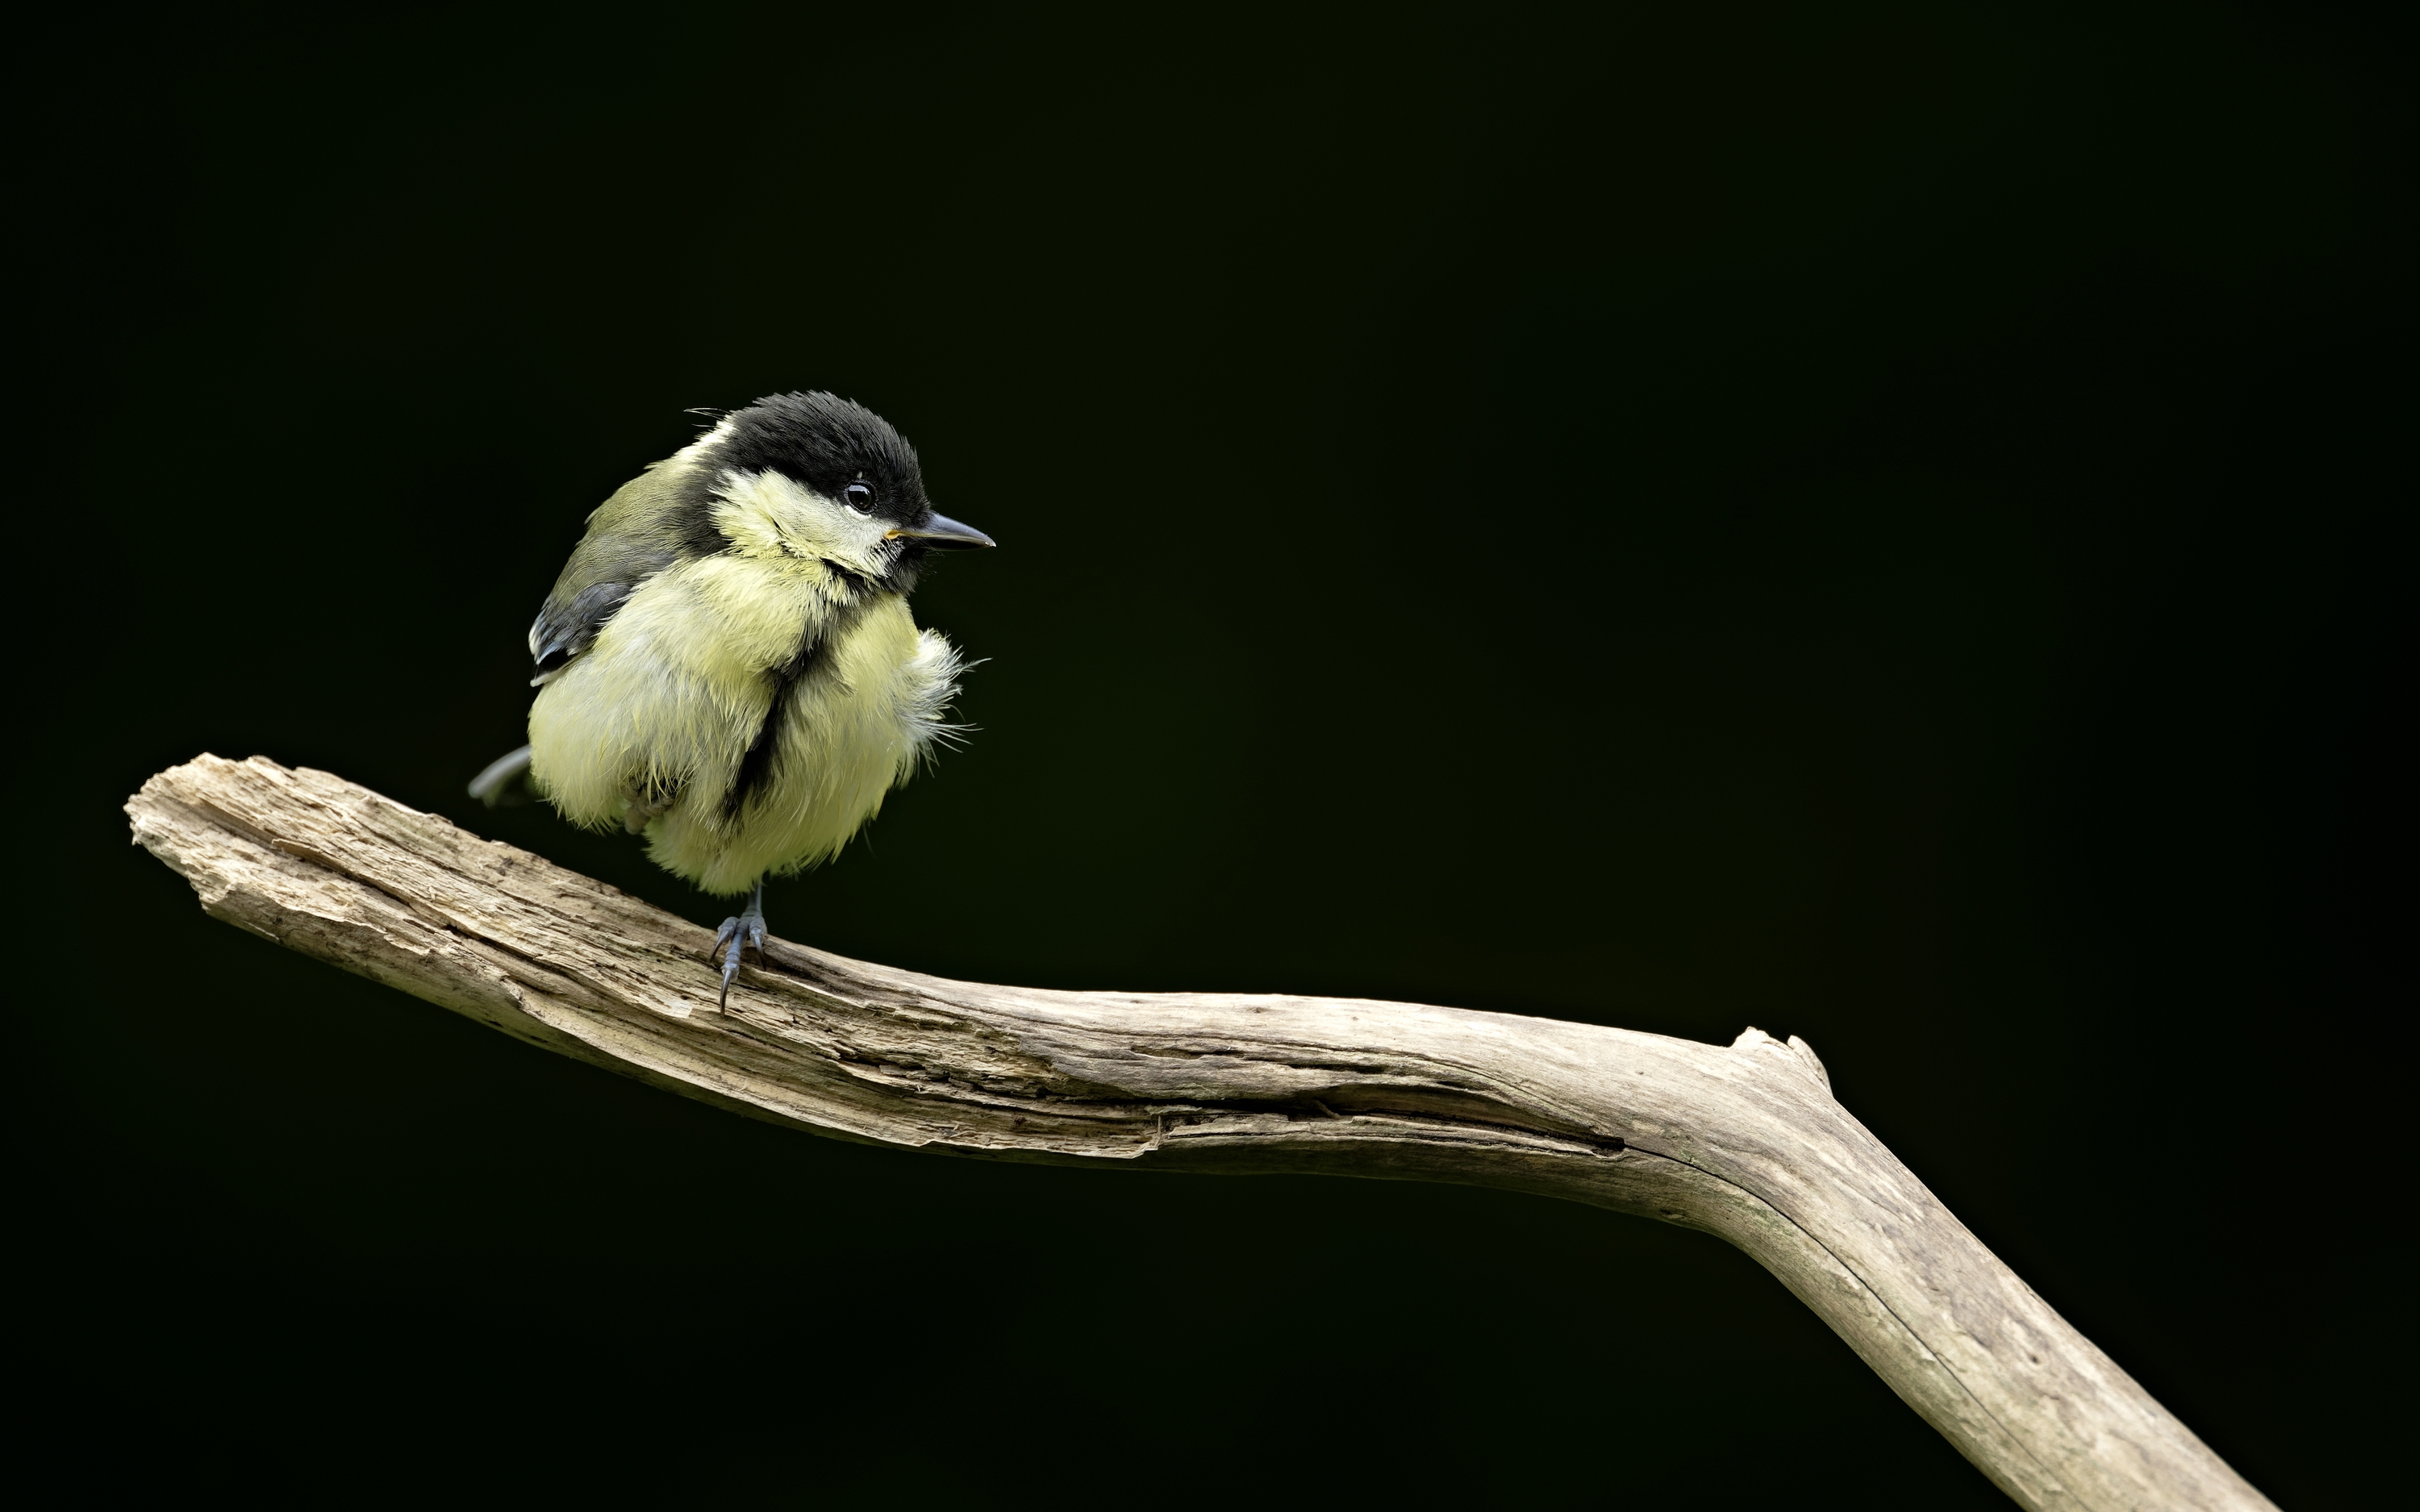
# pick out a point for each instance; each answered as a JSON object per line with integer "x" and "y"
{"x": 827, "y": 443}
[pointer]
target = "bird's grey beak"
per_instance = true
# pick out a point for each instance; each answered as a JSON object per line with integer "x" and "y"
{"x": 943, "y": 534}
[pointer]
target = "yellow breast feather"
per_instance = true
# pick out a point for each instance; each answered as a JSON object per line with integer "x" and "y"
{"x": 663, "y": 709}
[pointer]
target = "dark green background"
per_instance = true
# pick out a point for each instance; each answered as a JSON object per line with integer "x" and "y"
{"x": 1860, "y": 520}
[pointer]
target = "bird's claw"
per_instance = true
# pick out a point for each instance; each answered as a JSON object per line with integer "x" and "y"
{"x": 745, "y": 932}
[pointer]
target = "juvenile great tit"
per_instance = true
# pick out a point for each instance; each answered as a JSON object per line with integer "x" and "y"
{"x": 727, "y": 664}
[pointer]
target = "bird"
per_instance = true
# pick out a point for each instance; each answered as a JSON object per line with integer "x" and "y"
{"x": 727, "y": 664}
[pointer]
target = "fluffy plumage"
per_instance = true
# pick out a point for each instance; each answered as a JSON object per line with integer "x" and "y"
{"x": 727, "y": 662}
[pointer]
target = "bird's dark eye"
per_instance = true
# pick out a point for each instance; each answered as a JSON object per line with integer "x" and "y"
{"x": 859, "y": 496}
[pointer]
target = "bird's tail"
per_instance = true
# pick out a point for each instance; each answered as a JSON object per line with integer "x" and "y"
{"x": 489, "y": 786}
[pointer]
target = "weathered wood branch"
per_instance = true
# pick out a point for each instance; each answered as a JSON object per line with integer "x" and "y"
{"x": 1743, "y": 1141}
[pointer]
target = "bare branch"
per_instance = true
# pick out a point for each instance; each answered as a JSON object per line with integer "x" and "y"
{"x": 1743, "y": 1141}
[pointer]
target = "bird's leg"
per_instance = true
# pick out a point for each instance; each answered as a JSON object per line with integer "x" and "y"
{"x": 740, "y": 934}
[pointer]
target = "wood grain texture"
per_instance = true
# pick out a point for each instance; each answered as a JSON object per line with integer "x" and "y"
{"x": 1743, "y": 1141}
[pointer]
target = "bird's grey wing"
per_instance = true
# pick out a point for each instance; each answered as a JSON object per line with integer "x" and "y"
{"x": 632, "y": 536}
{"x": 566, "y": 626}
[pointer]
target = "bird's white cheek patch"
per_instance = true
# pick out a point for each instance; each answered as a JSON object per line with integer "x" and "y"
{"x": 767, "y": 514}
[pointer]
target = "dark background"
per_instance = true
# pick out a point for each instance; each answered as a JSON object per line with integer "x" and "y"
{"x": 1860, "y": 520}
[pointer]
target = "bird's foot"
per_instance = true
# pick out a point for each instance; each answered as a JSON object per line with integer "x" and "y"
{"x": 745, "y": 932}
{"x": 644, "y": 808}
